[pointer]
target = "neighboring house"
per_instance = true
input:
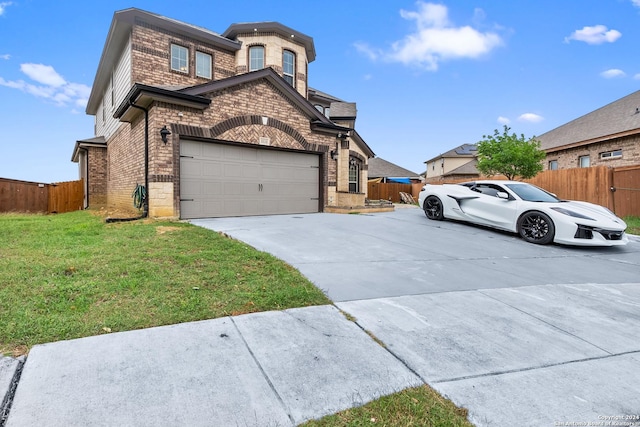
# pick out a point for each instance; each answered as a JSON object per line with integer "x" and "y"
{"x": 459, "y": 163}
{"x": 216, "y": 124}
{"x": 608, "y": 136}
{"x": 381, "y": 170}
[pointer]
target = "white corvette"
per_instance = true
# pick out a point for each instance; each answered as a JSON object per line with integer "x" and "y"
{"x": 538, "y": 216}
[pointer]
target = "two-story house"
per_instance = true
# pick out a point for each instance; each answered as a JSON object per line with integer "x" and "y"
{"x": 457, "y": 163}
{"x": 212, "y": 125}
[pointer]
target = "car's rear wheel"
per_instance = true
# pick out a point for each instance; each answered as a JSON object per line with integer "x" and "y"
{"x": 433, "y": 208}
{"x": 536, "y": 227}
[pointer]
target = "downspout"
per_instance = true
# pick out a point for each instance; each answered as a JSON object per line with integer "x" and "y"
{"x": 145, "y": 209}
{"x": 86, "y": 177}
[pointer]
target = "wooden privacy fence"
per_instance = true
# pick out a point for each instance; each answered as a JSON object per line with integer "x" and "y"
{"x": 616, "y": 188}
{"x": 391, "y": 191}
{"x": 387, "y": 191}
{"x": 24, "y": 196}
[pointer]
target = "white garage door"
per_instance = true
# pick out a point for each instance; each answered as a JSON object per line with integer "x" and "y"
{"x": 219, "y": 180}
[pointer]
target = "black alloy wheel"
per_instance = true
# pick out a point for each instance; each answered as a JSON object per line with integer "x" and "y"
{"x": 433, "y": 208}
{"x": 536, "y": 227}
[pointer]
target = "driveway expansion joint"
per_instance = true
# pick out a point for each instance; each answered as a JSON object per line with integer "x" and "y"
{"x": 382, "y": 344}
{"x": 546, "y": 323}
{"x": 534, "y": 368}
{"x": 264, "y": 374}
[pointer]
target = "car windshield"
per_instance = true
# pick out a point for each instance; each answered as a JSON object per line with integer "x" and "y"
{"x": 531, "y": 193}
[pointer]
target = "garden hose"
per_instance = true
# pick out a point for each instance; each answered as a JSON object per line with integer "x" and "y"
{"x": 139, "y": 196}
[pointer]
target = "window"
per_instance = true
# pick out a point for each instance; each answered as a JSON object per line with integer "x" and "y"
{"x": 179, "y": 58}
{"x": 553, "y": 165}
{"x": 203, "y": 65}
{"x": 289, "y": 67}
{"x": 256, "y": 58}
{"x": 354, "y": 175}
{"x": 611, "y": 154}
{"x": 584, "y": 161}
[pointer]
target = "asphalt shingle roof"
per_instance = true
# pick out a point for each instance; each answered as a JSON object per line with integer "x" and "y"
{"x": 618, "y": 118}
{"x": 380, "y": 168}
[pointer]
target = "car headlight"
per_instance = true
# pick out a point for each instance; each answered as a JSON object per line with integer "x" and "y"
{"x": 572, "y": 213}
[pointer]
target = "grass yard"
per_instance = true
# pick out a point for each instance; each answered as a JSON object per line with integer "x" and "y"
{"x": 633, "y": 224}
{"x": 418, "y": 407}
{"x": 72, "y": 275}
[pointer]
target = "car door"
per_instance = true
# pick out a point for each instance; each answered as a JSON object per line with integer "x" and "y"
{"x": 489, "y": 209}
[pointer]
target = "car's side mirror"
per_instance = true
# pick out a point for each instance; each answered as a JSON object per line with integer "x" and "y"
{"x": 502, "y": 195}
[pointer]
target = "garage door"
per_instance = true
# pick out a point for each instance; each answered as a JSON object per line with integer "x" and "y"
{"x": 218, "y": 180}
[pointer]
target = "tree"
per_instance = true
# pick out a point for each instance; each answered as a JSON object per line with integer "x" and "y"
{"x": 509, "y": 155}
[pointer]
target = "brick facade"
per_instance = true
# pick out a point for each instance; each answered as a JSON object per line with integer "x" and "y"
{"x": 569, "y": 158}
{"x": 254, "y": 111}
{"x": 151, "y": 61}
{"x": 97, "y": 177}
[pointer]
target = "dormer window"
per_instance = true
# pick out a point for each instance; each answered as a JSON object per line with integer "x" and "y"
{"x": 179, "y": 58}
{"x": 256, "y": 58}
{"x": 289, "y": 67}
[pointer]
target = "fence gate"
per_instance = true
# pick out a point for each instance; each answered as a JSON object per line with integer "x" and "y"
{"x": 626, "y": 197}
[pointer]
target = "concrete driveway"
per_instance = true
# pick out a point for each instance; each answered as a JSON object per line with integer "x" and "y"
{"x": 517, "y": 333}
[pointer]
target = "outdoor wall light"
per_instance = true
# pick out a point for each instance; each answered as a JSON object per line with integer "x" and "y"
{"x": 334, "y": 154}
{"x": 164, "y": 133}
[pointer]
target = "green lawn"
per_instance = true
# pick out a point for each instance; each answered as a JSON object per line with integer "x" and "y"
{"x": 414, "y": 407}
{"x": 633, "y": 224}
{"x": 72, "y": 275}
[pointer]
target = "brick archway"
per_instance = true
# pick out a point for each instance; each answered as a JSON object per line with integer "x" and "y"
{"x": 246, "y": 120}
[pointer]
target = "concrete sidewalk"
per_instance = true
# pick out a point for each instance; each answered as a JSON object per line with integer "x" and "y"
{"x": 526, "y": 356}
{"x": 262, "y": 369}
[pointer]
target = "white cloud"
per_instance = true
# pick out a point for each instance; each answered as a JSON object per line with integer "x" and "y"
{"x": 44, "y": 74}
{"x": 5, "y": 56}
{"x": 435, "y": 39}
{"x": 530, "y": 117}
{"x": 636, "y": 3}
{"x": 597, "y": 34}
{"x": 52, "y": 86}
{"x": 613, "y": 73}
{"x": 637, "y": 76}
{"x": 367, "y": 50}
{"x": 503, "y": 120}
{"x": 3, "y": 6}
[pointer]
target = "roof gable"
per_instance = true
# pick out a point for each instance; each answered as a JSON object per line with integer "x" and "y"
{"x": 121, "y": 24}
{"x": 272, "y": 77}
{"x": 619, "y": 118}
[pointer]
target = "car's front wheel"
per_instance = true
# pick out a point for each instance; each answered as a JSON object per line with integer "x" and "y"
{"x": 433, "y": 208}
{"x": 536, "y": 227}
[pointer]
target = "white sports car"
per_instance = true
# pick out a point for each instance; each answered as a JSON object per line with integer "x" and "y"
{"x": 537, "y": 215}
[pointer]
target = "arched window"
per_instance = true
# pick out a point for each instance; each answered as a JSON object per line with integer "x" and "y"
{"x": 354, "y": 175}
{"x": 256, "y": 58}
{"x": 289, "y": 67}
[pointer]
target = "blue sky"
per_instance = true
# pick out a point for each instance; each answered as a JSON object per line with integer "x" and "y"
{"x": 426, "y": 76}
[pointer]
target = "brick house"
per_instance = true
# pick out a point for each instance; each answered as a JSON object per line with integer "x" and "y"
{"x": 216, "y": 124}
{"x": 608, "y": 136}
